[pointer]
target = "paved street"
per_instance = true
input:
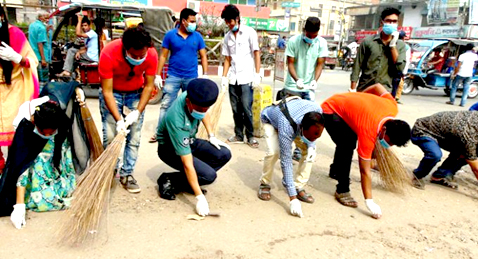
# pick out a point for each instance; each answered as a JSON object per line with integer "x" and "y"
{"x": 418, "y": 224}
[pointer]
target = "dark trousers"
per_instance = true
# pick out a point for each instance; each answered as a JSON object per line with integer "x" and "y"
{"x": 345, "y": 140}
{"x": 241, "y": 103}
{"x": 207, "y": 160}
{"x": 433, "y": 155}
{"x": 395, "y": 84}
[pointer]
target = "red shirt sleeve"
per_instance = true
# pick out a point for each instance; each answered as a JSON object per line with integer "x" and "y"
{"x": 105, "y": 67}
{"x": 152, "y": 62}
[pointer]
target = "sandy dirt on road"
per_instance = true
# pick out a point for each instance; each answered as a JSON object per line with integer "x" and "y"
{"x": 434, "y": 223}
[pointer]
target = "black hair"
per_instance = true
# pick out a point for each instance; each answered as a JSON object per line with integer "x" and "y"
{"x": 389, "y": 11}
{"x": 312, "y": 24}
{"x": 7, "y": 66}
{"x": 312, "y": 119}
{"x": 137, "y": 38}
{"x": 85, "y": 20}
{"x": 469, "y": 46}
{"x": 398, "y": 131}
{"x": 185, "y": 13}
{"x": 48, "y": 116}
{"x": 230, "y": 12}
{"x": 402, "y": 35}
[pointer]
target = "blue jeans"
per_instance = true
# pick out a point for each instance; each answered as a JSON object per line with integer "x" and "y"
{"x": 433, "y": 155}
{"x": 241, "y": 103}
{"x": 466, "y": 88}
{"x": 170, "y": 92}
{"x": 131, "y": 101}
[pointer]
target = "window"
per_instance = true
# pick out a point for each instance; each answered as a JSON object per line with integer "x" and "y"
{"x": 274, "y": 6}
{"x": 319, "y": 13}
{"x": 331, "y": 24}
{"x": 292, "y": 26}
{"x": 333, "y": 8}
{"x": 321, "y": 6}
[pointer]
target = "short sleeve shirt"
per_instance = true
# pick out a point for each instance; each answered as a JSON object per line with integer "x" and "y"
{"x": 241, "y": 50}
{"x": 305, "y": 56}
{"x": 114, "y": 65}
{"x": 365, "y": 114}
{"x": 38, "y": 34}
{"x": 92, "y": 45}
{"x": 184, "y": 53}
{"x": 178, "y": 128}
{"x": 467, "y": 60}
{"x": 454, "y": 131}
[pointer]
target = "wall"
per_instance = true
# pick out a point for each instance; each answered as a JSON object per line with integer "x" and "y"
{"x": 412, "y": 17}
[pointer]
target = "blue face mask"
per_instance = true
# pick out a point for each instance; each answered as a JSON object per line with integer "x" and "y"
{"x": 191, "y": 27}
{"x": 384, "y": 143}
{"x": 236, "y": 28}
{"x": 198, "y": 115}
{"x": 43, "y": 136}
{"x": 305, "y": 140}
{"x": 135, "y": 62}
{"x": 389, "y": 28}
{"x": 308, "y": 40}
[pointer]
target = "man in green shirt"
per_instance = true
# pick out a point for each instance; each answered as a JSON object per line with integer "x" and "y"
{"x": 305, "y": 60}
{"x": 380, "y": 57}
{"x": 197, "y": 160}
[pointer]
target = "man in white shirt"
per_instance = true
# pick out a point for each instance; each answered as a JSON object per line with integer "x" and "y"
{"x": 463, "y": 73}
{"x": 241, "y": 73}
{"x": 88, "y": 55}
{"x": 353, "y": 48}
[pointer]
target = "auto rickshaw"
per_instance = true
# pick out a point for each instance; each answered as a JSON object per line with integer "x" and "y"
{"x": 422, "y": 74}
{"x": 157, "y": 21}
{"x": 332, "y": 60}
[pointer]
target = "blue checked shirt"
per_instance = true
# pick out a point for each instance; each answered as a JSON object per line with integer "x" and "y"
{"x": 273, "y": 115}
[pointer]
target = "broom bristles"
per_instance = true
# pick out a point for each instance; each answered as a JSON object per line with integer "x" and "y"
{"x": 90, "y": 199}
{"x": 393, "y": 174}
{"x": 215, "y": 112}
{"x": 96, "y": 147}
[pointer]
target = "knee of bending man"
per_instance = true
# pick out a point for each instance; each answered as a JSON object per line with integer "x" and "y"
{"x": 434, "y": 155}
{"x": 209, "y": 176}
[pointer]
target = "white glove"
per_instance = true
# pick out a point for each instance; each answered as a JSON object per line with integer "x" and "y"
{"x": 80, "y": 95}
{"x": 131, "y": 118}
{"x": 374, "y": 208}
{"x": 394, "y": 40}
{"x": 218, "y": 143}
{"x": 202, "y": 208}
{"x": 224, "y": 83}
{"x": 18, "y": 216}
{"x": 121, "y": 126}
{"x": 295, "y": 208}
{"x": 257, "y": 80}
{"x": 8, "y": 54}
{"x": 313, "y": 85}
{"x": 158, "y": 81}
{"x": 353, "y": 90}
{"x": 311, "y": 154}
{"x": 300, "y": 84}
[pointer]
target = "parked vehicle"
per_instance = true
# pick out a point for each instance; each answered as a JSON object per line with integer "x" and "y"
{"x": 332, "y": 60}
{"x": 157, "y": 20}
{"x": 422, "y": 74}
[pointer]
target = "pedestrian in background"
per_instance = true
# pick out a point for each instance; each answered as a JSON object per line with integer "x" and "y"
{"x": 398, "y": 84}
{"x": 241, "y": 73}
{"x": 41, "y": 45}
{"x": 463, "y": 74}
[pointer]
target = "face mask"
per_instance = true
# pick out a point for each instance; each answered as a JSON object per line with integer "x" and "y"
{"x": 236, "y": 28}
{"x": 308, "y": 40}
{"x": 198, "y": 115}
{"x": 384, "y": 143}
{"x": 135, "y": 62}
{"x": 305, "y": 140}
{"x": 43, "y": 136}
{"x": 389, "y": 28}
{"x": 191, "y": 27}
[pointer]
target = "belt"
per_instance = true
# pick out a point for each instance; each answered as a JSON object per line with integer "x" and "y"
{"x": 140, "y": 90}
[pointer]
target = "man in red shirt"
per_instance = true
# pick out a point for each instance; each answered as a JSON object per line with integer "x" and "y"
{"x": 365, "y": 117}
{"x": 124, "y": 65}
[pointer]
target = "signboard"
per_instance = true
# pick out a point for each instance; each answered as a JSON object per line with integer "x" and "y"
{"x": 437, "y": 32}
{"x": 113, "y": 2}
{"x": 443, "y": 11}
{"x": 266, "y": 24}
{"x": 473, "y": 12}
{"x": 290, "y": 4}
{"x": 279, "y": 67}
{"x": 473, "y": 32}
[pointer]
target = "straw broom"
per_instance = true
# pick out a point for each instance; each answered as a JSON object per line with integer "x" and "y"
{"x": 215, "y": 112}
{"x": 96, "y": 147}
{"x": 91, "y": 197}
{"x": 393, "y": 174}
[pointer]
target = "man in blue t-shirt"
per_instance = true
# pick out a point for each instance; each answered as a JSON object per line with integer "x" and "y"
{"x": 184, "y": 43}
{"x": 88, "y": 55}
{"x": 41, "y": 44}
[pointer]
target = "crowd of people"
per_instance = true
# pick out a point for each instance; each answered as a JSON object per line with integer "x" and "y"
{"x": 47, "y": 144}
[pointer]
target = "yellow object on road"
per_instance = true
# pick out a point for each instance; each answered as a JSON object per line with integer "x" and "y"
{"x": 261, "y": 99}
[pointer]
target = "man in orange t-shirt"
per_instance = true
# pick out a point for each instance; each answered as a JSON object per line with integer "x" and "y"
{"x": 127, "y": 69}
{"x": 365, "y": 117}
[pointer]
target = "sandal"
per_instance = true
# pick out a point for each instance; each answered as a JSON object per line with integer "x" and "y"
{"x": 235, "y": 140}
{"x": 447, "y": 182}
{"x": 153, "y": 139}
{"x": 264, "y": 192}
{"x": 253, "y": 143}
{"x": 346, "y": 199}
{"x": 305, "y": 197}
